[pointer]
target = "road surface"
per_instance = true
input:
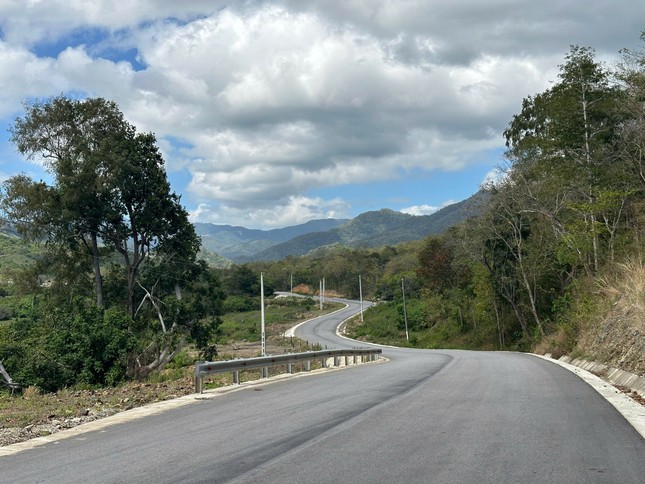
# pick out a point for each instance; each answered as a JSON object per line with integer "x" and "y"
{"x": 423, "y": 416}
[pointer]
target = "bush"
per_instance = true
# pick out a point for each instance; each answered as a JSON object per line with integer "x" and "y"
{"x": 240, "y": 304}
{"x": 84, "y": 345}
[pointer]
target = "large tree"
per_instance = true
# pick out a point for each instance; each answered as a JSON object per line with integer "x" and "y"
{"x": 110, "y": 196}
{"x": 562, "y": 147}
{"x": 109, "y": 190}
{"x": 75, "y": 140}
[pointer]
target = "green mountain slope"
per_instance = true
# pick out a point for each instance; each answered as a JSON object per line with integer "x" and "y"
{"x": 378, "y": 228}
{"x": 236, "y": 243}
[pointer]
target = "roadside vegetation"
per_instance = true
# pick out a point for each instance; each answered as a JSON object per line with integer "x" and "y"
{"x": 33, "y": 412}
{"x": 555, "y": 261}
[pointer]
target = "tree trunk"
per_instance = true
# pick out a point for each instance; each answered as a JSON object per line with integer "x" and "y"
{"x": 96, "y": 263}
{"x": 500, "y": 329}
{"x": 529, "y": 290}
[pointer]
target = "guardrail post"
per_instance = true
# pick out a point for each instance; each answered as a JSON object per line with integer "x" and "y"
{"x": 236, "y": 377}
{"x": 289, "y": 368}
{"x": 265, "y": 372}
{"x": 323, "y": 362}
{"x": 198, "y": 378}
{"x": 308, "y": 365}
{"x": 336, "y": 361}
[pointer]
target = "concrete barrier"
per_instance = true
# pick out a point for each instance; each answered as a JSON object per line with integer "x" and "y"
{"x": 612, "y": 375}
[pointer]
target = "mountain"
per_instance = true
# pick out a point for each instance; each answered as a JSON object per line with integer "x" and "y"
{"x": 239, "y": 243}
{"x": 376, "y": 229}
{"x": 370, "y": 229}
{"x": 225, "y": 244}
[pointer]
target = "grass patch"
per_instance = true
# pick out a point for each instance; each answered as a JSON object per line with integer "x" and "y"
{"x": 280, "y": 315}
{"x": 385, "y": 324}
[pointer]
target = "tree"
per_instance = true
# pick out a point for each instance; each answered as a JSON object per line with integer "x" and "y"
{"x": 566, "y": 137}
{"x": 110, "y": 195}
{"x": 110, "y": 186}
{"x": 76, "y": 141}
{"x": 192, "y": 313}
{"x": 435, "y": 265}
{"x": 143, "y": 215}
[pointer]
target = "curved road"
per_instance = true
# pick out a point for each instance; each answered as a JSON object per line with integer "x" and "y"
{"x": 423, "y": 416}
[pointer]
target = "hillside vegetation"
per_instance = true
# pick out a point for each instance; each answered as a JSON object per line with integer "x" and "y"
{"x": 370, "y": 229}
{"x": 116, "y": 290}
{"x": 555, "y": 261}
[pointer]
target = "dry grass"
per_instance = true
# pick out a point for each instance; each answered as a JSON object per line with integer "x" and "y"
{"x": 626, "y": 285}
{"x": 615, "y": 335}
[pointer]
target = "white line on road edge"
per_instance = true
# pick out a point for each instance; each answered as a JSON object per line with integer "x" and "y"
{"x": 291, "y": 332}
{"x": 631, "y": 410}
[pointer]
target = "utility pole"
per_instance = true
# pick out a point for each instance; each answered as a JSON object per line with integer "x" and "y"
{"x": 264, "y": 344}
{"x": 320, "y": 294}
{"x": 405, "y": 313}
{"x": 360, "y": 291}
{"x": 265, "y": 370}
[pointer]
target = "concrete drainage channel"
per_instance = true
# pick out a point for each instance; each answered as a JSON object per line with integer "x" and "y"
{"x": 633, "y": 411}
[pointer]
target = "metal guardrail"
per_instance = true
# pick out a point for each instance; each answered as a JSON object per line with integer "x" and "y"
{"x": 6, "y": 379}
{"x": 235, "y": 366}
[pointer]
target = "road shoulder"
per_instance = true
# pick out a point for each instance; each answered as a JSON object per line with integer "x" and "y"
{"x": 633, "y": 412}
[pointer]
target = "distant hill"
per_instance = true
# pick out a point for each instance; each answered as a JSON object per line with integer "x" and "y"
{"x": 223, "y": 245}
{"x": 376, "y": 229}
{"x": 239, "y": 243}
{"x": 15, "y": 253}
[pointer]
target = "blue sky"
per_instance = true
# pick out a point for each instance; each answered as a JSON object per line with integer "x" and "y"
{"x": 271, "y": 113}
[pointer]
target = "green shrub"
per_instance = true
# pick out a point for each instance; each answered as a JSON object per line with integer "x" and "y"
{"x": 64, "y": 348}
{"x": 240, "y": 304}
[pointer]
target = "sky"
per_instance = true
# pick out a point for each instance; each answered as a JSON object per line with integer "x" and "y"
{"x": 272, "y": 113}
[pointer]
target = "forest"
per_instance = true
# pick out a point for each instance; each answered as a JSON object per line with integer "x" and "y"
{"x": 116, "y": 286}
{"x": 558, "y": 241}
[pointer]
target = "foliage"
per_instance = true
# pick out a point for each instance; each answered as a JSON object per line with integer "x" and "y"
{"x": 240, "y": 304}
{"x": 109, "y": 217}
{"x": 568, "y": 210}
{"x": 66, "y": 346}
{"x": 109, "y": 187}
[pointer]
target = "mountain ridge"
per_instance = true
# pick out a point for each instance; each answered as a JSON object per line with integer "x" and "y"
{"x": 369, "y": 229}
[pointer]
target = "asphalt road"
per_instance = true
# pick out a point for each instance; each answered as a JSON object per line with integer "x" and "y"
{"x": 423, "y": 416}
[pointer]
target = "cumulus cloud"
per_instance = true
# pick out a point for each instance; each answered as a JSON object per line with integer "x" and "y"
{"x": 425, "y": 209}
{"x": 263, "y": 101}
{"x": 292, "y": 211}
{"x": 494, "y": 177}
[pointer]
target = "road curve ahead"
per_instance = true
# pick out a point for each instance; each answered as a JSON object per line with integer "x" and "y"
{"x": 423, "y": 416}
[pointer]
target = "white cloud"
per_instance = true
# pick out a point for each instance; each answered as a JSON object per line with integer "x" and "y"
{"x": 283, "y": 102}
{"x": 494, "y": 177}
{"x": 292, "y": 211}
{"x": 271, "y": 99}
{"x": 425, "y": 209}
